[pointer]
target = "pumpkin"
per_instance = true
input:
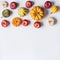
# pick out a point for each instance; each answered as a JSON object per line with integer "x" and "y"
{"x": 22, "y": 11}
{"x": 37, "y": 13}
{"x": 4, "y": 4}
{"x": 54, "y": 9}
{"x": 51, "y": 21}
{"x": 6, "y": 13}
{"x": 16, "y": 21}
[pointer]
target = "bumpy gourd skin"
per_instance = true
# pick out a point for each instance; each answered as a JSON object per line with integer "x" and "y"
{"x": 37, "y": 13}
{"x": 22, "y": 11}
{"x": 6, "y": 13}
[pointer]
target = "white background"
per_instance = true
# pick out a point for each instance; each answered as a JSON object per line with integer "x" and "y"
{"x": 28, "y": 43}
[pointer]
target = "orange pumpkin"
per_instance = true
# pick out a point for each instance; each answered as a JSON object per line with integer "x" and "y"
{"x": 37, "y": 13}
{"x": 16, "y": 22}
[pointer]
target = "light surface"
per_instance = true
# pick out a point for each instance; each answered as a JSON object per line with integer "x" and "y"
{"x": 28, "y": 43}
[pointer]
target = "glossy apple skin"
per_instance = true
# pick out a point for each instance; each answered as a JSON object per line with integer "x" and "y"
{"x": 25, "y": 22}
{"x": 37, "y": 24}
{"x": 48, "y": 4}
{"x": 13, "y": 5}
{"x": 29, "y": 4}
{"x": 5, "y": 23}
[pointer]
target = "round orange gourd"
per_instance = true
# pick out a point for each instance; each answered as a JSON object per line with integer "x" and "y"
{"x": 16, "y": 21}
{"x": 37, "y": 13}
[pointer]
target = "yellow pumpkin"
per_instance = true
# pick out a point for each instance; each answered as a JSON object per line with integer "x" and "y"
{"x": 37, "y": 13}
{"x": 22, "y": 11}
{"x": 54, "y": 9}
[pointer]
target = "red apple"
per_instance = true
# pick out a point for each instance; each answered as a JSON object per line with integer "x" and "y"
{"x": 48, "y": 4}
{"x": 29, "y": 4}
{"x": 13, "y": 5}
{"x": 25, "y": 22}
{"x": 5, "y": 23}
{"x": 37, "y": 24}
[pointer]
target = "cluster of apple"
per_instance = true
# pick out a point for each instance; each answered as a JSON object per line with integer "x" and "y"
{"x": 37, "y": 24}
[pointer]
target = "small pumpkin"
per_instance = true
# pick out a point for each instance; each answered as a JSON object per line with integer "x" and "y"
{"x": 4, "y": 4}
{"x": 51, "y": 21}
{"x": 37, "y": 13}
{"x": 6, "y": 13}
{"x": 54, "y": 9}
{"x": 22, "y": 11}
{"x": 16, "y": 21}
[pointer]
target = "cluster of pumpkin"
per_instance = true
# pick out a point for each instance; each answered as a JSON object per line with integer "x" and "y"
{"x": 37, "y": 13}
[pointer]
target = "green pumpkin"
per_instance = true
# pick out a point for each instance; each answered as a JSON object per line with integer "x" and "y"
{"x": 22, "y": 11}
{"x": 6, "y": 13}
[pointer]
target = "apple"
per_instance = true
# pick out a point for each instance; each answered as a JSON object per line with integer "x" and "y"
{"x": 37, "y": 24}
{"x": 13, "y": 5}
{"x": 25, "y": 22}
{"x": 29, "y": 4}
{"x": 5, "y": 23}
{"x": 48, "y": 4}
